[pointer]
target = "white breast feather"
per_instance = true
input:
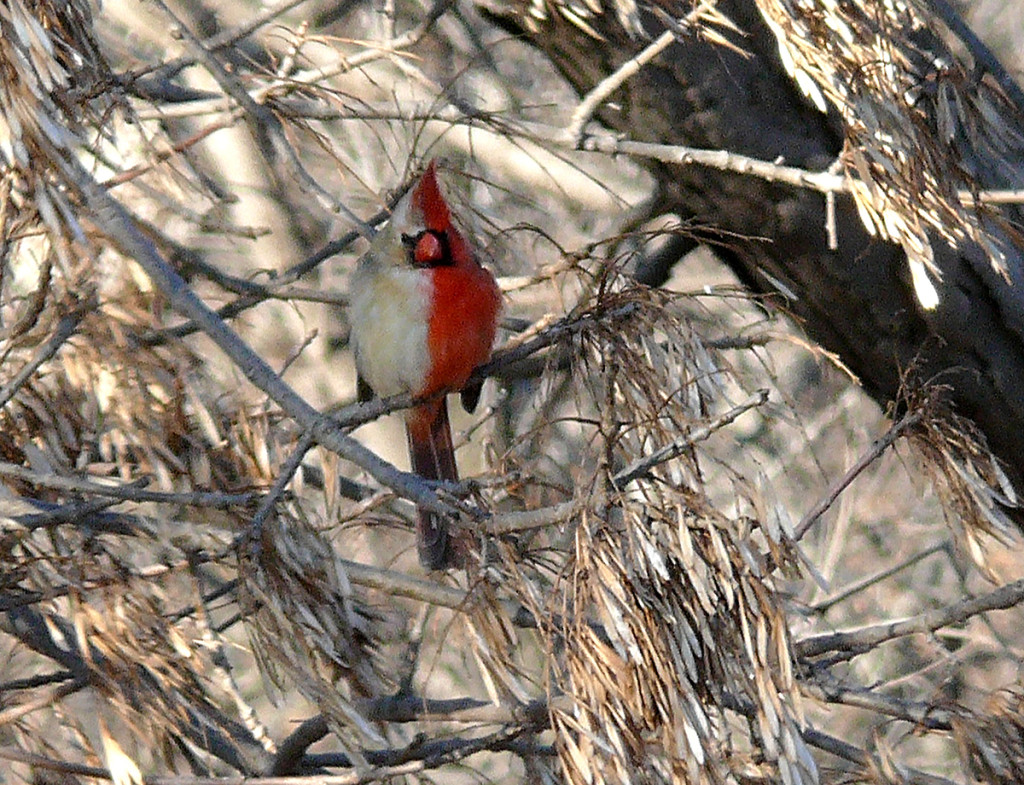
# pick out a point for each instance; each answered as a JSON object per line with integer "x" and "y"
{"x": 389, "y": 311}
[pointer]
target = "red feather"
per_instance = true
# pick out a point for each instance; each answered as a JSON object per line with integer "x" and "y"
{"x": 428, "y": 198}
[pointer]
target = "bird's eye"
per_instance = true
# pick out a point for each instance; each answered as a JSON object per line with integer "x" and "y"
{"x": 429, "y": 248}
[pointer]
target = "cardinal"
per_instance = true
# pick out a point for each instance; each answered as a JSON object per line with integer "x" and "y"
{"x": 424, "y": 313}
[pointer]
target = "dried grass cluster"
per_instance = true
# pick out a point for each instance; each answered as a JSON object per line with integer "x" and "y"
{"x": 923, "y": 134}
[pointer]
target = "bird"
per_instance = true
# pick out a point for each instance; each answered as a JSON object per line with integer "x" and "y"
{"x": 424, "y": 315}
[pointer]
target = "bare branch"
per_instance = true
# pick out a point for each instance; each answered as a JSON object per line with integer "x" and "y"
{"x": 65, "y": 329}
{"x": 846, "y": 751}
{"x": 130, "y": 492}
{"x": 642, "y": 466}
{"x": 601, "y": 92}
{"x": 856, "y": 641}
{"x": 908, "y": 421}
{"x": 871, "y": 580}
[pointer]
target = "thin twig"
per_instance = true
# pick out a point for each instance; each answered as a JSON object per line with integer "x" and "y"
{"x": 42, "y": 701}
{"x": 39, "y": 680}
{"x": 254, "y": 531}
{"x": 202, "y": 54}
{"x": 591, "y": 141}
{"x": 741, "y": 342}
{"x": 159, "y": 155}
{"x": 260, "y": 293}
{"x": 827, "y": 181}
{"x": 65, "y": 329}
{"x": 413, "y": 708}
{"x": 871, "y": 580}
{"x": 642, "y": 466}
{"x": 34, "y": 514}
{"x": 525, "y": 520}
{"x": 401, "y": 585}
{"x": 908, "y": 421}
{"x": 922, "y": 715}
{"x": 840, "y": 748}
{"x": 48, "y": 764}
{"x": 221, "y": 40}
{"x": 373, "y": 52}
{"x": 525, "y": 748}
{"x": 263, "y": 123}
{"x": 419, "y": 756}
{"x": 723, "y": 160}
{"x": 854, "y": 754}
{"x": 603, "y": 89}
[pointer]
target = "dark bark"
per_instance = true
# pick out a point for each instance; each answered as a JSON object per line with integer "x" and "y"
{"x": 856, "y": 301}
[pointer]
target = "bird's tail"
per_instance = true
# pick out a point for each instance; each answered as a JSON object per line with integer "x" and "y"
{"x": 433, "y": 458}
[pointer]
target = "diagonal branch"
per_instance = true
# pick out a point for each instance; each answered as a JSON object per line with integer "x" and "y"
{"x": 115, "y": 222}
{"x": 65, "y": 329}
{"x": 643, "y": 465}
{"x": 881, "y": 445}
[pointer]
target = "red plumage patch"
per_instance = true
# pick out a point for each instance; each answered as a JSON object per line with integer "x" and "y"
{"x": 463, "y": 321}
{"x": 427, "y": 197}
{"x": 464, "y": 300}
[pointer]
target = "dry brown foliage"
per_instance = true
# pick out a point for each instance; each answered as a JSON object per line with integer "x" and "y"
{"x": 196, "y": 553}
{"x": 920, "y": 126}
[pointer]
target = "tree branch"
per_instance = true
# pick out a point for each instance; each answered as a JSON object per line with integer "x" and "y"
{"x": 643, "y": 466}
{"x": 65, "y": 329}
{"x": 130, "y": 492}
{"x": 856, "y": 641}
{"x": 907, "y": 422}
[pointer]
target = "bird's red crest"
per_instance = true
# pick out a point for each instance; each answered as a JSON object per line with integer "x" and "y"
{"x": 427, "y": 197}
